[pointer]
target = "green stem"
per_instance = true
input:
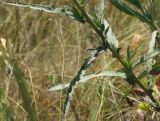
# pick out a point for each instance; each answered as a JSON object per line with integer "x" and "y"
{"x": 88, "y": 18}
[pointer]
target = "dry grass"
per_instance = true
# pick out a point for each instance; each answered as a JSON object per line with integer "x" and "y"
{"x": 50, "y": 49}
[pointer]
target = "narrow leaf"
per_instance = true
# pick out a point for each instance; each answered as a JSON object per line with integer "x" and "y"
{"x": 109, "y": 36}
{"x": 146, "y": 57}
{"x": 58, "y": 87}
{"x": 89, "y": 77}
{"x": 135, "y": 3}
{"x": 99, "y": 14}
{"x": 123, "y": 7}
{"x": 100, "y": 10}
{"x": 66, "y": 10}
{"x": 151, "y": 48}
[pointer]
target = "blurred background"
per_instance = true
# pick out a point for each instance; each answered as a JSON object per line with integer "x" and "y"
{"x": 50, "y": 49}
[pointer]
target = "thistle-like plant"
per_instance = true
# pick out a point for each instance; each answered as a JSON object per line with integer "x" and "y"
{"x": 108, "y": 42}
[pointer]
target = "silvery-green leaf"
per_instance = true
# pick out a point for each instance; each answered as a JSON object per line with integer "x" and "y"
{"x": 98, "y": 14}
{"x": 89, "y": 77}
{"x": 66, "y": 10}
{"x": 58, "y": 87}
{"x": 100, "y": 10}
{"x": 110, "y": 37}
{"x": 146, "y": 57}
{"x": 151, "y": 48}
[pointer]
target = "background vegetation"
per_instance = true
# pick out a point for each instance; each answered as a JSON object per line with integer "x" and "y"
{"x": 50, "y": 49}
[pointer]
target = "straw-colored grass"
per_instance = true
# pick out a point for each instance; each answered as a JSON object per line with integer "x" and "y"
{"x": 50, "y": 49}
